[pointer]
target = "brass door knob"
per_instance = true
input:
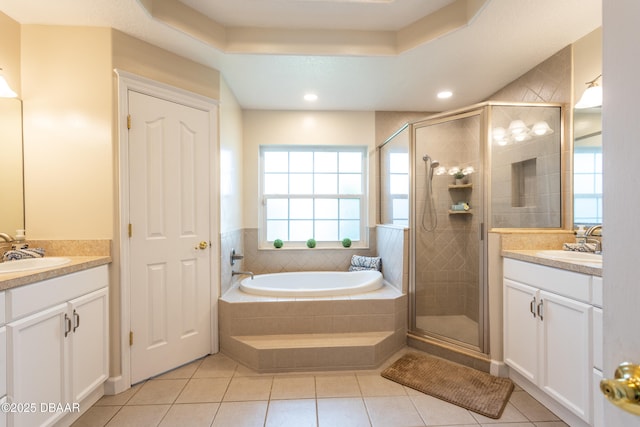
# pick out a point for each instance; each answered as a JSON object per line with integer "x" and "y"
{"x": 624, "y": 390}
{"x": 202, "y": 245}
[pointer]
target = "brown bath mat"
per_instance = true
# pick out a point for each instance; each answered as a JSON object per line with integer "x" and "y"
{"x": 466, "y": 387}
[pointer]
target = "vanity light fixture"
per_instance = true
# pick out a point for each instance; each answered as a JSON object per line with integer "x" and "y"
{"x": 592, "y": 96}
{"x": 541, "y": 128}
{"x": 5, "y": 90}
{"x": 518, "y": 131}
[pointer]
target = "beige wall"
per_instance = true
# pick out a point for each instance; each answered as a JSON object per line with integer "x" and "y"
{"x": 304, "y": 128}
{"x": 144, "y": 59}
{"x": 231, "y": 160}
{"x": 587, "y": 61}
{"x": 67, "y": 96}
{"x": 10, "y": 51}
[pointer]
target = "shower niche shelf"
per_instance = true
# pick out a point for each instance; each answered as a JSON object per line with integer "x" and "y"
{"x": 469, "y": 212}
{"x": 460, "y": 186}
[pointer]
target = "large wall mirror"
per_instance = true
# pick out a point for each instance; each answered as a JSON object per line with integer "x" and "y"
{"x": 11, "y": 172}
{"x": 587, "y": 166}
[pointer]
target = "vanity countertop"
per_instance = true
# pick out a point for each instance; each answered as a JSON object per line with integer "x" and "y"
{"x": 531, "y": 255}
{"x": 78, "y": 263}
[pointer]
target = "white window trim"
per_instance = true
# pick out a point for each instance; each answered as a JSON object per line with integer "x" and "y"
{"x": 363, "y": 243}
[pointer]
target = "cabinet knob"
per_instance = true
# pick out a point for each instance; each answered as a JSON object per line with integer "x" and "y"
{"x": 624, "y": 390}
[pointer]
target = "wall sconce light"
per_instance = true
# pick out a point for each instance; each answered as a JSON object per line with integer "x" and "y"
{"x": 592, "y": 96}
{"x": 5, "y": 90}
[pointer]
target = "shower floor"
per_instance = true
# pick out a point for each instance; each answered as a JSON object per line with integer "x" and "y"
{"x": 457, "y": 327}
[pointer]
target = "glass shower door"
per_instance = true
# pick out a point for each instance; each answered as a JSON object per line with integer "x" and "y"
{"x": 448, "y": 283}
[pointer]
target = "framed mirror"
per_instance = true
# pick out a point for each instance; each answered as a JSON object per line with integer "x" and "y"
{"x": 587, "y": 166}
{"x": 11, "y": 172}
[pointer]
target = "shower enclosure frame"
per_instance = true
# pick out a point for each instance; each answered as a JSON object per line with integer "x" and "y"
{"x": 482, "y": 182}
{"x": 414, "y": 224}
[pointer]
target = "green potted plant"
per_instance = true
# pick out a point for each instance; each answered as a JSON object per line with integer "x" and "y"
{"x": 459, "y": 177}
{"x": 311, "y": 243}
{"x": 346, "y": 242}
{"x": 278, "y": 243}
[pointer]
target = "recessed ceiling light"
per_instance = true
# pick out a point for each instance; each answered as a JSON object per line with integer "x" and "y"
{"x": 445, "y": 94}
{"x": 311, "y": 97}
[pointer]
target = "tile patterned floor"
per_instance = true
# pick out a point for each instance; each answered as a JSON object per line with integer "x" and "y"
{"x": 216, "y": 391}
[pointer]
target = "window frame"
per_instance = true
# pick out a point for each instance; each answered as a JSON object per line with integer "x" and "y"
{"x": 594, "y": 174}
{"x": 363, "y": 242}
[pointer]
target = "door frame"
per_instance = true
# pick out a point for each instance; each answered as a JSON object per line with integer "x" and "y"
{"x": 125, "y": 82}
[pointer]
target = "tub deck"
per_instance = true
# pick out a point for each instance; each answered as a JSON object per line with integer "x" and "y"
{"x": 279, "y": 334}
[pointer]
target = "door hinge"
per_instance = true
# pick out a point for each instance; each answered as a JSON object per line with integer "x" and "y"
{"x": 128, "y": 121}
{"x": 130, "y": 231}
{"x": 130, "y": 338}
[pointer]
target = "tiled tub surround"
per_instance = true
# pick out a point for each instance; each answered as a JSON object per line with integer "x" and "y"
{"x": 271, "y": 260}
{"x": 324, "y": 333}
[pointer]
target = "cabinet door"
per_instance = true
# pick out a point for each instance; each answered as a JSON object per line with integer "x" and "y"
{"x": 567, "y": 355}
{"x": 36, "y": 365}
{"x": 89, "y": 360}
{"x": 3, "y": 361}
{"x": 520, "y": 329}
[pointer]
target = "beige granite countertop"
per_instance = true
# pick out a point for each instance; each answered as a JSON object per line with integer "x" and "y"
{"x": 530, "y": 255}
{"x": 78, "y": 263}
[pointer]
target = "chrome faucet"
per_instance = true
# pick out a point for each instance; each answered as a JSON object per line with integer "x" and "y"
{"x": 598, "y": 242}
{"x": 238, "y": 273}
{"x": 593, "y": 229}
{"x": 7, "y": 238}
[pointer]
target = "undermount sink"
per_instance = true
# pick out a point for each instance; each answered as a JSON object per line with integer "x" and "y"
{"x": 572, "y": 256}
{"x": 32, "y": 264}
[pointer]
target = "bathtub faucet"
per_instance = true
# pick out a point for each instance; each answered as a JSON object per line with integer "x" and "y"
{"x": 238, "y": 273}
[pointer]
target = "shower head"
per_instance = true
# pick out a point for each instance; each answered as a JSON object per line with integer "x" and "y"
{"x": 434, "y": 163}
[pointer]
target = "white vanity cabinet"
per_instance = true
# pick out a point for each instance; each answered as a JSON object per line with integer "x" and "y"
{"x": 548, "y": 332}
{"x": 57, "y": 345}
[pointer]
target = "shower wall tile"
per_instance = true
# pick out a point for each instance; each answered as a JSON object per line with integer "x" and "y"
{"x": 549, "y": 81}
{"x": 228, "y": 241}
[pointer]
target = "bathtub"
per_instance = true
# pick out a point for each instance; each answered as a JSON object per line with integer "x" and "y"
{"x": 312, "y": 283}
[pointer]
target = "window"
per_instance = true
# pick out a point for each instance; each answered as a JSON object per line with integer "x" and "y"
{"x": 313, "y": 192}
{"x": 399, "y": 188}
{"x": 587, "y": 185}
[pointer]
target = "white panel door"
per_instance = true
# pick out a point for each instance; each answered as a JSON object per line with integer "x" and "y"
{"x": 169, "y": 162}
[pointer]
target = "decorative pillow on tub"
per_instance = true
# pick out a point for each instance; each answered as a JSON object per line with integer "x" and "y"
{"x": 359, "y": 262}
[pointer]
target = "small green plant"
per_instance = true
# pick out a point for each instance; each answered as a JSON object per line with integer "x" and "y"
{"x": 278, "y": 243}
{"x": 346, "y": 242}
{"x": 311, "y": 243}
{"x": 458, "y": 175}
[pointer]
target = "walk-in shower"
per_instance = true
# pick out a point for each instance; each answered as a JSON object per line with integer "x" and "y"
{"x": 511, "y": 179}
{"x": 447, "y": 248}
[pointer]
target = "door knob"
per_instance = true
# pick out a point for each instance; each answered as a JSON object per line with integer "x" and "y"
{"x": 202, "y": 245}
{"x": 624, "y": 390}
